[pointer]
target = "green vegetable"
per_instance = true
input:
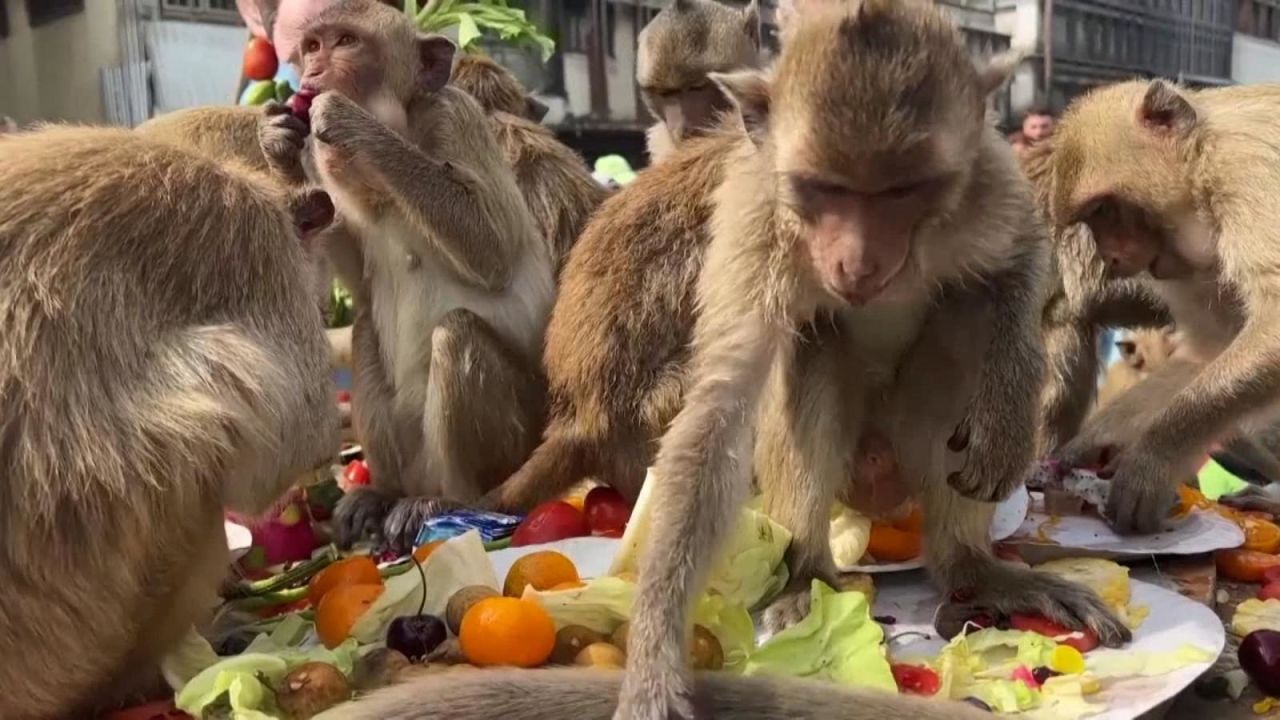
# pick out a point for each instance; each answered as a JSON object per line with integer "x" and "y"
{"x": 474, "y": 17}
{"x": 260, "y": 92}
{"x": 341, "y": 312}
{"x": 838, "y": 641}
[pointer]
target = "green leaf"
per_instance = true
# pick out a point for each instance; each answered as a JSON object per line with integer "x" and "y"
{"x": 468, "y": 32}
{"x": 411, "y": 8}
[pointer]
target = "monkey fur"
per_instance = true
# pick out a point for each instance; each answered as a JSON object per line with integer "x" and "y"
{"x": 591, "y": 694}
{"x": 456, "y": 280}
{"x": 676, "y": 50}
{"x": 1172, "y": 185}
{"x": 908, "y": 349}
{"x": 146, "y": 388}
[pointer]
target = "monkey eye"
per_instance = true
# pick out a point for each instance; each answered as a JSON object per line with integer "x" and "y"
{"x": 311, "y": 46}
{"x": 817, "y": 188}
{"x": 900, "y": 192}
{"x": 346, "y": 39}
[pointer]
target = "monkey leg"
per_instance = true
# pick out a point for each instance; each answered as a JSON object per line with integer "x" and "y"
{"x": 1072, "y": 363}
{"x": 485, "y": 410}
{"x": 802, "y": 459}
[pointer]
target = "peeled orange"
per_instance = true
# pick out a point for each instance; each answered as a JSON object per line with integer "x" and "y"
{"x": 543, "y": 570}
{"x": 507, "y": 631}
{"x": 340, "y": 608}
{"x": 357, "y": 570}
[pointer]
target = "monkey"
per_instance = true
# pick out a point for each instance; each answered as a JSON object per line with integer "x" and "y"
{"x": 676, "y": 50}
{"x": 465, "y": 694}
{"x": 872, "y": 122}
{"x": 554, "y": 180}
{"x": 153, "y": 373}
{"x": 1171, "y": 184}
{"x": 456, "y": 281}
{"x": 1140, "y": 354}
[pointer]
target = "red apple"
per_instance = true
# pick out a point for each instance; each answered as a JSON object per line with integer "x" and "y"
{"x": 550, "y": 521}
{"x": 606, "y": 511}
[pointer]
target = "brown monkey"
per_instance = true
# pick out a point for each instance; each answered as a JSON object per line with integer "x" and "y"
{"x": 555, "y": 182}
{"x": 591, "y": 694}
{"x": 870, "y": 188}
{"x": 152, "y": 372}
{"x": 1141, "y": 353}
{"x": 676, "y": 50}
{"x": 457, "y": 281}
{"x": 1173, "y": 186}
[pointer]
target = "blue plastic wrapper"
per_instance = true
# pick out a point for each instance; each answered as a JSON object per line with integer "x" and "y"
{"x": 491, "y": 526}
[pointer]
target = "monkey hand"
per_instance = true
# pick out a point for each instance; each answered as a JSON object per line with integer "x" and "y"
{"x": 1143, "y": 490}
{"x": 1000, "y": 451}
{"x": 341, "y": 124}
{"x": 654, "y": 693}
{"x": 360, "y": 514}
{"x": 404, "y": 521}
{"x": 1254, "y": 498}
{"x": 281, "y": 136}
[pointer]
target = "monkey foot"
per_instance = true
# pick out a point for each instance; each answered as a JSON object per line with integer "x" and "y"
{"x": 789, "y": 608}
{"x": 1008, "y": 589}
{"x": 359, "y": 515}
{"x": 405, "y": 519}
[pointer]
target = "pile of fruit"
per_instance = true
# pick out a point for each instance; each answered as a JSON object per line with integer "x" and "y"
{"x": 858, "y": 540}
{"x": 1257, "y": 561}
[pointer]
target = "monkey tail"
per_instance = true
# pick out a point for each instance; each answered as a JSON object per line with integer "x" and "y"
{"x": 592, "y": 693}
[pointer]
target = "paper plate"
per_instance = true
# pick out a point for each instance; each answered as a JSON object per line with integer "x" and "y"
{"x": 1174, "y": 621}
{"x": 1041, "y": 537}
{"x": 1009, "y": 516}
{"x": 591, "y": 555}
{"x": 239, "y": 539}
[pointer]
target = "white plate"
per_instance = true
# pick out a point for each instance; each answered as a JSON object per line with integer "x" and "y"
{"x": 1008, "y": 517}
{"x": 591, "y": 555}
{"x": 1174, "y": 621}
{"x": 239, "y": 539}
{"x": 1090, "y": 536}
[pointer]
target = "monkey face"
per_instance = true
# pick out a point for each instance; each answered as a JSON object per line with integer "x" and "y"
{"x": 689, "y": 111}
{"x": 336, "y": 57}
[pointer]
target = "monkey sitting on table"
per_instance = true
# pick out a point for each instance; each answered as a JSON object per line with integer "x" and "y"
{"x": 676, "y": 51}
{"x": 1175, "y": 187}
{"x": 454, "y": 282}
{"x": 153, "y": 372}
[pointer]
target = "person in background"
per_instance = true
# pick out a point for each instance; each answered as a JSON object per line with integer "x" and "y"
{"x": 1037, "y": 125}
{"x": 7, "y": 125}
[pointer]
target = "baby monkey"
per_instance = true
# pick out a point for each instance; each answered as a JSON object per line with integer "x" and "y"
{"x": 1177, "y": 188}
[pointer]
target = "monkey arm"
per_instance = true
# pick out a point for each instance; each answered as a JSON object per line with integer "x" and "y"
{"x": 1072, "y": 379}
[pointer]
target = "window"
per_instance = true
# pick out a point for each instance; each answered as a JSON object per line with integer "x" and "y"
{"x": 43, "y": 12}
{"x": 211, "y": 11}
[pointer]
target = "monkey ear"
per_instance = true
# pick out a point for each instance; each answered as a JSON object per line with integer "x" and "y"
{"x": 535, "y": 108}
{"x": 435, "y": 57}
{"x": 1165, "y": 110}
{"x": 998, "y": 69}
{"x": 312, "y": 212}
{"x": 751, "y": 18}
{"x": 748, "y": 90}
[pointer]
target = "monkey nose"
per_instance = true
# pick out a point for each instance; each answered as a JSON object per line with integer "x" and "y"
{"x": 856, "y": 282}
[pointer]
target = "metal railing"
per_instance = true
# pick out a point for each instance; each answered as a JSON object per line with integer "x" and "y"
{"x": 211, "y": 11}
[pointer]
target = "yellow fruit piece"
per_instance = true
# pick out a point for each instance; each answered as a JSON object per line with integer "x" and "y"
{"x": 1110, "y": 580}
{"x": 1089, "y": 685}
{"x": 543, "y": 570}
{"x": 1066, "y": 660}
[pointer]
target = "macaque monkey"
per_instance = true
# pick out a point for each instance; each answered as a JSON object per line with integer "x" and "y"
{"x": 676, "y": 51}
{"x": 868, "y": 188}
{"x": 592, "y": 694}
{"x": 553, "y": 179}
{"x": 1143, "y": 352}
{"x": 160, "y": 359}
{"x": 1174, "y": 186}
{"x": 456, "y": 280}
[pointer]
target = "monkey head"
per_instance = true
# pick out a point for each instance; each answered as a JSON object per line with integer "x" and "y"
{"x": 678, "y": 49}
{"x": 1121, "y": 168}
{"x": 372, "y": 54}
{"x": 495, "y": 88}
{"x": 874, "y": 118}
{"x": 1147, "y": 349}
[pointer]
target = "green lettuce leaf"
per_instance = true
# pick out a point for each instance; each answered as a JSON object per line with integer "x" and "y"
{"x": 838, "y": 641}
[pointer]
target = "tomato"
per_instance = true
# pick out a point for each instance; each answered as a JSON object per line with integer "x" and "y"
{"x": 1245, "y": 565}
{"x": 1270, "y": 591}
{"x": 1260, "y": 535}
{"x": 916, "y": 679}
{"x": 344, "y": 396}
{"x": 260, "y": 62}
{"x": 889, "y": 544}
{"x": 606, "y": 510}
{"x": 355, "y": 474}
{"x": 1083, "y": 640}
{"x": 550, "y": 521}
{"x": 158, "y": 710}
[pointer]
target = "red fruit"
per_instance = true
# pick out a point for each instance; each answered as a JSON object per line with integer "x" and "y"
{"x": 300, "y": 104}
{"x": 1270, "y": 591}
{"x": 916, "y": 679}
{"x": 355, "y": 474}
{"x": 616, "y": 533}
{"x": 1271, "y": 575}
{"x": 1083, "y": 640}
{"x": 550, "y": 521}
{"x": 344, "y": 396}
{"x": 260, "y": 62}
{"x": 1259, "y": 657}
{"x": 158, "y": 710}
{"x": 606, "y": 510}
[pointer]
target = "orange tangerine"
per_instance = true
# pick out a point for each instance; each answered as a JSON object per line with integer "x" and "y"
{"x": 543, "y": 570}
{"x": 507, "y": 631}
{"x": 340, "y": 608}
{"x": 356, "y": 570}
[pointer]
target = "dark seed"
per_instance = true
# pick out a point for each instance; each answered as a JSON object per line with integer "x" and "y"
{"x": 885, "y": 619}
{"x": 978, "y": 704}
{"x": 1042, "y": 674}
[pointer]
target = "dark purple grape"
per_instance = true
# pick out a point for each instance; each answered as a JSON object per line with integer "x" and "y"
{"x": 1259, "y": 656}
{"x": 977, "y": 703}
{"x": 1042, "y": 674}
{"x": 300, "y": 104}
{"x": 416, "y": 636}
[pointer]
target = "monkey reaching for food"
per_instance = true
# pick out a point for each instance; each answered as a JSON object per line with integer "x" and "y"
{"x": 676, "y": 51}
{"x": 868, "y": 187}
{"x": 153, "y": 372}
{"x": 456, "y": 282}
{"x": 1174, "y": 187}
